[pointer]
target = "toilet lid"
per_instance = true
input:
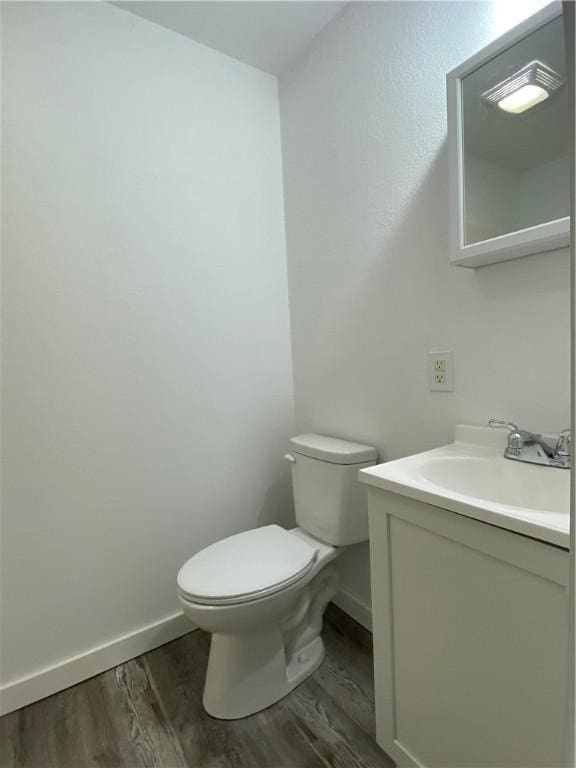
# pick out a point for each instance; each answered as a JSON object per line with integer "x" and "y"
{"x": 246, "y": 566}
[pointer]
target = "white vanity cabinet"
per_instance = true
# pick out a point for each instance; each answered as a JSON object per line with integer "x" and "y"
{"x": 470, "y": 639}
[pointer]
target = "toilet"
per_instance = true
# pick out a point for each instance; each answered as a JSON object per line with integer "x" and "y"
{"x": 262, "y": 593}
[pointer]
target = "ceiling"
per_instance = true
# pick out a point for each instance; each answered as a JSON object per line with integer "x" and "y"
{"x": 267, "y": 35}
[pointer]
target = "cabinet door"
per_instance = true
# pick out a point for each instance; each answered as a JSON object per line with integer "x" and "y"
{"x": 471, "y": 646}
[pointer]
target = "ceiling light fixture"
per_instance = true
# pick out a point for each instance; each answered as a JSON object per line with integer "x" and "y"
{"x": 525, "y": 88}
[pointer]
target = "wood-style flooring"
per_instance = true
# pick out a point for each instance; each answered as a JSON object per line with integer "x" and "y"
{"x": 148, "y": 712}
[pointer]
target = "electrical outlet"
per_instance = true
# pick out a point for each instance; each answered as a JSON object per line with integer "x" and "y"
{"x": 440, "y": 365}
{"x": 441, "y": 371}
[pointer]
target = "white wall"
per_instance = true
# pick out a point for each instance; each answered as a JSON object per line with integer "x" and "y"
{"x": 544, "y": 192}
{"x": 491, "y": 198}
{"x": 147, "y": 373}
{"x": 146, "y": 363}
{"x": 365, "y": 175}
{"x": 500, "y": 200}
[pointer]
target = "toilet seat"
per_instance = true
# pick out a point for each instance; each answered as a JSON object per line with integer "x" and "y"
{"x": 245, "y": 567}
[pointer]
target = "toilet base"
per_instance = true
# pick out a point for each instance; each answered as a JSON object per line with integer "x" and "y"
{"x": 248, "y": 673}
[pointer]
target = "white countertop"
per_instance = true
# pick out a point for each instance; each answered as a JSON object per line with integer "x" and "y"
{"x": 471, "y": 477}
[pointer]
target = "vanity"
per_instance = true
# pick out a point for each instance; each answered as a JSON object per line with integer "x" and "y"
{"x": 469, "y": 562}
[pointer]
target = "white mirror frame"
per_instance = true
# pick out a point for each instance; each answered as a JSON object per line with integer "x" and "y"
{"x": 538, "y": 239}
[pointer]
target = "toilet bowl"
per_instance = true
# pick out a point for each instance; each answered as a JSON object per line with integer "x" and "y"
{"x": 262, "y": 593}
{"x": 267, "y": 641}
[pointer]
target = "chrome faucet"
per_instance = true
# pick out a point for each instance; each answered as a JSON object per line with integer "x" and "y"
{"x": 532, "y": 448}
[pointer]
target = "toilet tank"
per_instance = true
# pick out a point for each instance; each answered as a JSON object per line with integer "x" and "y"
{"x": 329, "y": 501}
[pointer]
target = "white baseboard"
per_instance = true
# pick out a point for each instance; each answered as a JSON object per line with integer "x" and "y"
{"x": 57, "y": 677}
{"x": 77, "y": 668}
{"x": 354, "y": 607}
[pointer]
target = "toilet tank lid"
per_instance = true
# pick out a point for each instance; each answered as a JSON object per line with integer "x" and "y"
{"x": 332, "y": 449}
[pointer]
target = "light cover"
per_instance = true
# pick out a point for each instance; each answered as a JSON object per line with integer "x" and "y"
{"x": 525, "y": 97}
{"x": 527, "y": 87}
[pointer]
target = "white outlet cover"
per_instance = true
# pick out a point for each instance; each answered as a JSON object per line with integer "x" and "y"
{"x": 441, "y": 380}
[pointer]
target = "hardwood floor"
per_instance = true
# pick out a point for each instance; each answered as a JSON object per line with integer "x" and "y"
{"x": 148, "y": 712}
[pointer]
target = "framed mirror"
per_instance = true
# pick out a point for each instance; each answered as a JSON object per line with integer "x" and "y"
{"x": 508, "y": 136}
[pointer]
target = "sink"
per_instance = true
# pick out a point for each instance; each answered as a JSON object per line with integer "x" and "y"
{"x": 472, "y": 477}
{"x": 500, "y": 481}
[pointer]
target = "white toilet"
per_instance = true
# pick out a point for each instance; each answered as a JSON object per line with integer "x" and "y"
{"x": 262, "y": 593}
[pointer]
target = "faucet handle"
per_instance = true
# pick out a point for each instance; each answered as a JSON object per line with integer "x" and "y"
{"x": 498, "y": 423}
{"x": 517, "y": 437}
{"x": 564, "y": 443}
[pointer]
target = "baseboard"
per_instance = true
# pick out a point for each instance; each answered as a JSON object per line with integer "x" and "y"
{"x": 77, "y": 668}
{"x": 27, "y": 690}
{"x": 354, "y": 607}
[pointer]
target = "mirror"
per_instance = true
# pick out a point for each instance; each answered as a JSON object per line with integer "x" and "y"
{"x": 516, "y": 164}
{"x": 510, "y": 114}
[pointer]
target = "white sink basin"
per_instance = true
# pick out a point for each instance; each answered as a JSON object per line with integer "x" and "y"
{"x": 472, "y": 477}
{"x": 509, "y": 483}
